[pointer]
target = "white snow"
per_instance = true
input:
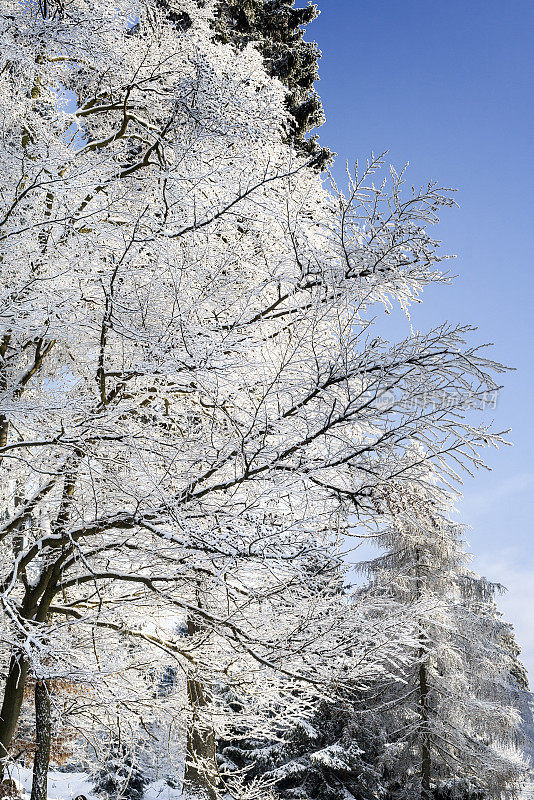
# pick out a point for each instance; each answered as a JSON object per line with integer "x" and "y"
{"x": 61, "y": 785}
{"x": 160, "y": 790}
{"x": 68, "y": 785}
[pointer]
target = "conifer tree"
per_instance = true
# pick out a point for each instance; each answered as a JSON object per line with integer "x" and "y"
{"x": 337, "y": 754}
{"x": 456, "y": 709}
{"x": 276, "y": 27}
{"x": 120, "y": 777}
{"x": 337, "y": 750}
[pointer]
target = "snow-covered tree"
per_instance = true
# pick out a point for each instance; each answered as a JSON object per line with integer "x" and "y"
{"x": 119, "y": 776}
{"x": 192, "y": 401}
{"x": 455, "y": 713}
{"x": 276, "y": 27}
{"x": 335, "y": 753}
{"x": 334, "y": 747}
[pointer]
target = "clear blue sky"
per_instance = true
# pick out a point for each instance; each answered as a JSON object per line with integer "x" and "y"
{"x": 449, "y": 87}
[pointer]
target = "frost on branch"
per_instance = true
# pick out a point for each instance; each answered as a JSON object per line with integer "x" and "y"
{"x": 193, "y": 404}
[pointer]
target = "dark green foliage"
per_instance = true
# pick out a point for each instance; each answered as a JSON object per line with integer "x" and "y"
{"x": 277, "y": 28}
{"x": 120, "y": 776}
{"x": 180, "y": 19}
{"x": 331, "y": 757}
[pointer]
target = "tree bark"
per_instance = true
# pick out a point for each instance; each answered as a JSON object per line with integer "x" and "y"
{"x": 426, "y": 754}
{"x": 43, "y": 731}
{"x": 425, "y": 740}
{"x": 200, "y": 777}
{"x": 32, "y": 609}
{"x": 13, "y": 696}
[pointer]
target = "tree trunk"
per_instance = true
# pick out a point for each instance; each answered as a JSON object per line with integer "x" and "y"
{"x": 426, "y": 755}
{"x": 200, "y": 772}
{"x": 425, "y": 743}
{"x": 18, "y": 671}
{"x": 201, "y": 767}
{"x": 13, "y": 696}
{"x": 43, "y": 731}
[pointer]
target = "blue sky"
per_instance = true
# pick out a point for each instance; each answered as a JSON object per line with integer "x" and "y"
{"x": 449, "y": 87}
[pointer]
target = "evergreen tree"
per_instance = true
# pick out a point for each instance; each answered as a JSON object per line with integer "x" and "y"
{"x": 277, "y": 28}
{"x": 336, "y": 754}
{"x": 119, "y": 776}
{"x": 456, "y": 708}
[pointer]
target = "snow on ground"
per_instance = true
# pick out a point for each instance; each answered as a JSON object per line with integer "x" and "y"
{"x": 160, "y": 790}
{"x": 61, "y": 785}
{"x": 68, "y": 785}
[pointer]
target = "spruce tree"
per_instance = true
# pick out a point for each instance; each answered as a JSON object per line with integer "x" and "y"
{"x": 336, "y": 754}
{"x": 277, "y": 28}
{"x": 119, "y": 777}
